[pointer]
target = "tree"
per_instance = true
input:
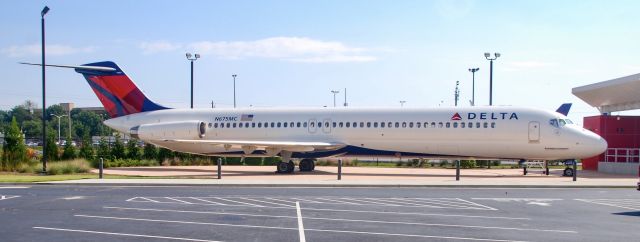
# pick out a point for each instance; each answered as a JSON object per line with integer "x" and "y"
{"x": 86, "y": 150}
{"x": 150, "y": 151}
{"x": 133, "y": 152}
{"x": 164, "y": 154}
{"x": 117, "y": 151}
{"x": 69, "y": 150}
{"x": 103, "y": 149}
{"x": 52, "y": 148}
{"x": 14, "y": 151}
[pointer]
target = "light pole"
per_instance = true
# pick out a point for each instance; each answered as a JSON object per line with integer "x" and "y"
{"x": 58, "y": 116}
{"x": 473, "y": 85}
{"x": 487, "y": 55}
{"x": 44, "y": 12}
{"x": 334, "y": 96}
{"x": 402, "y": 103}
{"x": 456, "y": 93}
{"x": 234, "y": 90}
{"x": 192, "y": 59}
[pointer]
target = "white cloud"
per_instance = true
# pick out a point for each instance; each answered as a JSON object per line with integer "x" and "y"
{"x": 295, "y": 49}
{"x": 35, "y": 49}
{"x": 158, "y": 46}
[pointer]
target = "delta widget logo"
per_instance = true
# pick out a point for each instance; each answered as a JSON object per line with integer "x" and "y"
{"x": 456, "y": 117}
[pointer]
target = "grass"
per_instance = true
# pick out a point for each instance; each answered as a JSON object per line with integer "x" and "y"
{"x": 29, "y": 178}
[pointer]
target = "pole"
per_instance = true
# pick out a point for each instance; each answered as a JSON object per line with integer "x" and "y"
{"x": 457, "y": 170}
{"x": 345, "y": 97}
{"x": 334, "y": 99}
{"x": 473, "y": 88}
{"x": 234, "y": 90}
{"x": 191, "y": 84}
{"x": 340, "y": 169}
{"x": 44, "y": 102}
{"x": 219, "y": 168}
{"x": 59, "y": 129}
{"x": 491, "y": 83}
{"x": 575, "y": 170}
{"x": 101, "y": 166}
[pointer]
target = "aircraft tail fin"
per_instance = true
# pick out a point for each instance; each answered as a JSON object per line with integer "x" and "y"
{"x": 564, "y": 109}
{"x": 117, "y": 92}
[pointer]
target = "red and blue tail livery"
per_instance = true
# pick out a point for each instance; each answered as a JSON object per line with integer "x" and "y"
{"x": 118, "y": 94}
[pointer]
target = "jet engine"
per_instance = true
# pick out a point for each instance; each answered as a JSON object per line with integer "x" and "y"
{"x": 170, "y": 130}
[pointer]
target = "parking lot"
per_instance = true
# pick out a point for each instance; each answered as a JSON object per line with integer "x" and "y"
{"x": 101, "y": 213}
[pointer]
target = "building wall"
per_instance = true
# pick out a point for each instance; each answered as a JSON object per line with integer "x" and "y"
{"x": 618, "y": 131}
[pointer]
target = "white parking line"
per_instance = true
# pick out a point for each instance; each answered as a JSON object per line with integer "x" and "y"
{"x": 233, "y": 201}
{"x": 300, "y": 226}
{"x": 337, "y": 201}
{"x": 343, "y": 220}
{"x": 207, "y": 201}
{"x": 178, "y": 200}
{"x": 285, "y": 228}
{"x": 16, "y": 187}
{"x": 631, "y": 204}
{"x": 5, "y": 197}
{"x": 281, "y": 200}
{"x": 123, "y": 234}
{"x": 261, "y": 201}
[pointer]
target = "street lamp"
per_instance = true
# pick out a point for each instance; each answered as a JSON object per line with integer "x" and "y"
{"x": 234, "y": 90}
{"x": 58, "y": 116}
{"x": 192, "y": 59}
{"x": 402, "y": 103}
{"x": 487, "y": 55}
{"x": 456, "y": 93}
{"x": 473, "y": 85}
{"x": 44, "y": 12}
{"x": 334, "y": 96}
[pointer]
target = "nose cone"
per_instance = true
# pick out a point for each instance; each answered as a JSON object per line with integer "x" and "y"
{"x": 594, "y": 145}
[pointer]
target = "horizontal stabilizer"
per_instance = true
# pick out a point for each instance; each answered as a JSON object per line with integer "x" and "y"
{"x": 92, "y": 68}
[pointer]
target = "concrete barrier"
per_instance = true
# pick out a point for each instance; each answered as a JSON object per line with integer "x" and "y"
{"x": 618, "y": 168}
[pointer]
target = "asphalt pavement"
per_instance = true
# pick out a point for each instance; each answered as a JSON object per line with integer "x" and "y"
{"x": 201, "y": 213}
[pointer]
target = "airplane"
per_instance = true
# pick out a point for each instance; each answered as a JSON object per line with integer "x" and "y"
{"x": 306, "y": 134}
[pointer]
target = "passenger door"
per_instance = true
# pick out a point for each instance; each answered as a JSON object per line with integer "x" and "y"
{"x": 534, "y": 132}
{"x": 312, "y": 126}
{"x": 326, "y": 126}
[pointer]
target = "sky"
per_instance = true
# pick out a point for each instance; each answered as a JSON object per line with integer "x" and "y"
{"x": 293, "y": 53}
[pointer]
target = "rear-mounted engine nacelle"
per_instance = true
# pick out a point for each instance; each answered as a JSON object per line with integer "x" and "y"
{"x": 170, "y": 130}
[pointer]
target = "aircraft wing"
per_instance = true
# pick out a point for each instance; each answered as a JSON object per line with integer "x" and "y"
{"x": 255, "y": 144}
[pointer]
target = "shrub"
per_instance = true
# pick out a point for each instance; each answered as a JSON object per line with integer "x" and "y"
{"x": 68, "y": 167}
{"x": 253, "y": 161}
{"x": 232, "y": 161}
{"x": 271, "y": 161}
{"x": 117, "y": 151}
{"x": 69, "y": 150}
{"x": 443, "y": 163}
{"x": 150, "y": 151}
{"x": 14, "y": 152}
{"x": 465, "y": 164}
{"x": 86, "y": 151}
{"x": 133, "y": 151}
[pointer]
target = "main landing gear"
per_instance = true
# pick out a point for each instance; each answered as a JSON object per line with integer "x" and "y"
{"x": 305, "y": 165}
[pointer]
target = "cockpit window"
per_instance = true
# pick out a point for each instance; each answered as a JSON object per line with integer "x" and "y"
{"x": 554, "y": 123}
{"x": 568, "y": 121}
{"x": 562, "y": 122}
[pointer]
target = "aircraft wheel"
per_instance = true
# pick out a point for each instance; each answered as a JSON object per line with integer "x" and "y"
{"x": 290, "y": 166}
{"x": 567, "y": 172}
{"x": 313, "y": 165}
{"x": 282, "y": 167}
{"x": 306, "y": 165}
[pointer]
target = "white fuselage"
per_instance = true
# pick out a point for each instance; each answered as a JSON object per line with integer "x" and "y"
{"x": 475, "y": 132}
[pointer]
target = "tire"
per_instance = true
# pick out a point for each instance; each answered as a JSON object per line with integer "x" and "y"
{"x": 306, "y": 165}
{"x": 290, "y": 166}
{"x": 567, "y": 172}
{"x": 282, "y": 167}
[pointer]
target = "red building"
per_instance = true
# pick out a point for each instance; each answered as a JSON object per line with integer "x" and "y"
{"x": 622, "y": 133}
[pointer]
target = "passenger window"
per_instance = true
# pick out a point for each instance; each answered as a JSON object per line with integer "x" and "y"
{"x": 486, "y": 125}
{"x": 341, "y": 124}
{"x": 228, "y": 125}
{"x": 368, "y": 124}
{"x": 455, "y": 125}
{"x": 285, "y": 124}
{"x": 397, "y": 125}
{"x": 417, "y": 125}
{"x": 304, "y": 124}
{"x": 381, "y": 124}
{"x": 259, "y": 125}
{"x": 234, "y": 125}
{"x": 215, "y": 125}
{"x": 348, "y": 125}
{"x": 410, "y": 124}
{"x": 478, "y": 125}
{"x": 355, "y": 125}
{"x": 404, "y": 124}
{"x": 335, "y": 124}
{"x": 326, "y": 124}
{"x": 361, "y": 124}
{"x": 448, "y": 125}
{"x": 433, "y": 124}
{"x": 390, "y": 124}
{"x": 272, "y": 124}
{"x": 470, "y": 125}
{"x": 439, "y": 124}
{"x": 462, "y": 125}
{"x": 253, "y": 125}
{"x": 319, "y": 124}
{"x": 298, "y": 124}
{"x": 493, "y": 125}
{"x": 375, "y": 124}
{"x": 291, "y": 124}
{"x": 313, "y": 124}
